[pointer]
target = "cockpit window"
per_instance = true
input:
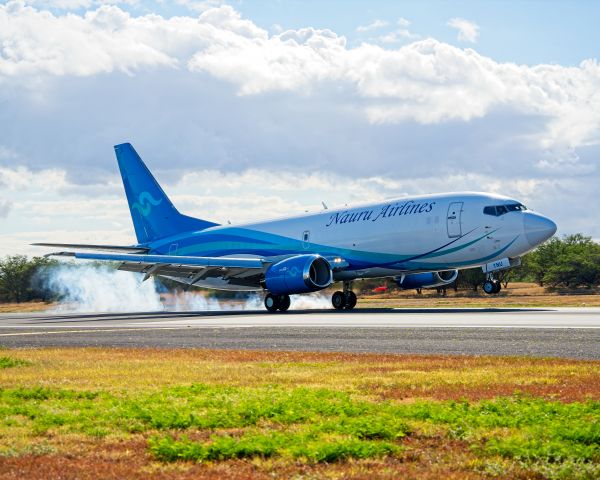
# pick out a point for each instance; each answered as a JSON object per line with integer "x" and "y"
{"x": 497, "y": 210}
{"x": 516, "y": 207}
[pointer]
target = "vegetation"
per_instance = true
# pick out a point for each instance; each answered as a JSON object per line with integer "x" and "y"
{"x": 131, "y": 413}
{"x": 573, "y": 261}
{"x": 17, "y": 273}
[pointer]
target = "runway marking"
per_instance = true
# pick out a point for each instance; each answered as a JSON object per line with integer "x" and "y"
{"x": 92, "y": 329}
{"x": 89, "y": 329}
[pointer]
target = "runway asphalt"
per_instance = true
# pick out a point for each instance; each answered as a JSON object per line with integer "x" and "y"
{"x": 552, "y": 332}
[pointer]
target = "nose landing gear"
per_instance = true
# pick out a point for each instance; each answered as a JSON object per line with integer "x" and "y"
{"x": 491, "y": 286}
{"x": 344, "y": 300}
{"x": 277, "y": 302}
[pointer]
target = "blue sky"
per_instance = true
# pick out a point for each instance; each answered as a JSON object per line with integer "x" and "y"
{"x": 524, "y": 31}
{"x": 248, "y": 110}
{"x": 521, "y": 31}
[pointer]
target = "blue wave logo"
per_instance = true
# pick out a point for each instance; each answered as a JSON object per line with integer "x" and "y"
{"x": 145, "y": 203}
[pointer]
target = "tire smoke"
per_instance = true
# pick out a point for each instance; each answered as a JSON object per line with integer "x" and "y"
{"x": 92, "y": 288}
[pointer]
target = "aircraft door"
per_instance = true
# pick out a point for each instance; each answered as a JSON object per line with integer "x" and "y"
{"x": 453, "y": 220}
{"x": 306, "y": 239}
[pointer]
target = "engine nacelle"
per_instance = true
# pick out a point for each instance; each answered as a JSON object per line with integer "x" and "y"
{"x": 426, "y": 279}
{"x": 299, "y": 274}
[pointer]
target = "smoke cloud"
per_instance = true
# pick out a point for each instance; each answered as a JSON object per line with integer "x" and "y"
{"x": 87, "y": 288}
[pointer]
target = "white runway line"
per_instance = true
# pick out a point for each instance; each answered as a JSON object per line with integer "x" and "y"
{"x": 555, "y": 318}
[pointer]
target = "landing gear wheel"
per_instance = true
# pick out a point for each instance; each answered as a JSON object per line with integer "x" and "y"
{"x": 338, "y": 300}
{"x": 489, "y": 287}
{"x": 284, "y": 302}
{"x": 497, "y": 286}
{"x": 350, "y": 300}
{"x": 272, "y": 302}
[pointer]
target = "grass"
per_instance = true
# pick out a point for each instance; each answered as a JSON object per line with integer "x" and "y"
{"x": 121, "y": 413}
{"x": 8, "y": 362}
{"x": 518, "y": 294}
{"x": 24, "y": 307}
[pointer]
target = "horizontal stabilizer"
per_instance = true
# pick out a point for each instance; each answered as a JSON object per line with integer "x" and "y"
{"x": 104, "y": 248}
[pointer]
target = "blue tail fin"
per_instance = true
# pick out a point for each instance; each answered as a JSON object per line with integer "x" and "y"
{"x": 153, "y": 214}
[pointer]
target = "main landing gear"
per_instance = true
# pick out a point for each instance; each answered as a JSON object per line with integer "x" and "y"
{"x": 491, "y": 285}
{"x": 344, "y": 300}
{"x": 277, "y": 302}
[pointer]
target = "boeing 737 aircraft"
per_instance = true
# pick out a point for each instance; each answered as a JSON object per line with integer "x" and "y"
{"x": 420, "y": 242}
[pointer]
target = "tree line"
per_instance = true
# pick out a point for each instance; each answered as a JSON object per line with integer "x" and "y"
{"x": 572, "y": 261}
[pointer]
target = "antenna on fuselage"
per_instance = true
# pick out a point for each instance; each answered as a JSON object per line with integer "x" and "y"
{"x": 324, "y": 205}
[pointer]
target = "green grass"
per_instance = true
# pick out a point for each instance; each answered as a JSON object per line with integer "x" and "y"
{"x": 7, "y": 362}
{"x": 314, "y": 424}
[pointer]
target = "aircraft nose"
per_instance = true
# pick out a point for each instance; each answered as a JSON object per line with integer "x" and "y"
{"x": 537, "y": 228}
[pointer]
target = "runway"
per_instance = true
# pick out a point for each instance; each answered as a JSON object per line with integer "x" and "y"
{"x": 552, "y": 332}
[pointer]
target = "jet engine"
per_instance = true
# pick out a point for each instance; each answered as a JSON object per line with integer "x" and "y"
{"x": 299, "y": 274}
{"x": 426, "y": 279}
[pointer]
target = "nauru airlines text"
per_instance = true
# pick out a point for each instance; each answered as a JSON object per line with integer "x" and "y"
{"x": 420, "y": 242}
{"x": 387, "y": 211}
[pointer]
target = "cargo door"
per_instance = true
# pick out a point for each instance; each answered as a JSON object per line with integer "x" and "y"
{"x": 453, "y": 221}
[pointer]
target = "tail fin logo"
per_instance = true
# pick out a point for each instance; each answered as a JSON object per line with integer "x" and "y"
{"x": 145, "y": 203}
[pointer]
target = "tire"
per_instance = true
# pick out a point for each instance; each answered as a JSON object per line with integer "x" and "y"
{"x": 489, "y": 287}
{"x": 271, "y": 303}
{"x": 284, "y": 302}
{"x": 497, "y": 286}
{"x": 338, "y": 300}
{"x": 350, "y": 300}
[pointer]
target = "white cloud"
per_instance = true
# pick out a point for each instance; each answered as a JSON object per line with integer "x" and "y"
{"x": 427, "y": 81}
{"x": 403, "y": 22}
{"x": 200, "y": 5}
{"x": 400, "y": 35}
{"x": 292, "y": 117}
{"x": 467, "y": 31}
{"x": 374, "y": 25}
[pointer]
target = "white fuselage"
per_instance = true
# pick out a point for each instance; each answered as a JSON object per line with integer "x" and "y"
{"x": 413, "y": 234}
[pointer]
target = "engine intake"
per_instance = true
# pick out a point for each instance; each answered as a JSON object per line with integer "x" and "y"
{"x": 426, "y": 279}
{"x": 299, "y": 274}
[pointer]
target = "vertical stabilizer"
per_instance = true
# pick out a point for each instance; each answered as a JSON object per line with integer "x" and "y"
{"x": 153, "y": 214}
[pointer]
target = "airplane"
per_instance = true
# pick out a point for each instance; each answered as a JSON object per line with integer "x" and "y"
{"x": 419, "y": 241}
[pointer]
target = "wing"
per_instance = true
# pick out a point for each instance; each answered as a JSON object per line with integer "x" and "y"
{"x": 193, "y": 269}
{"x": 105, "y": 248}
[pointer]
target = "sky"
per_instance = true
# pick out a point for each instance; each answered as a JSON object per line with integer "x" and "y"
{"x": 252, "y": 110}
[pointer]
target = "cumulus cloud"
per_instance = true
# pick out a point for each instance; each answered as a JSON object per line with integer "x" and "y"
{"x": 229, "y": 115}
{"x": 374, "y": 25}
{"x": 427, "y": 81}
{"x": 467, "y": 31}
{"x": 400, "y": 35}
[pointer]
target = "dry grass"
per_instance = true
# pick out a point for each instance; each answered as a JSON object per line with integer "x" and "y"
{"x": 428, "y": 454}
{"x": 516, "y": 295}
{"x": 24, "y": 307}
{"x": 367, "y": 375}
{"x": 425, "y": 458}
